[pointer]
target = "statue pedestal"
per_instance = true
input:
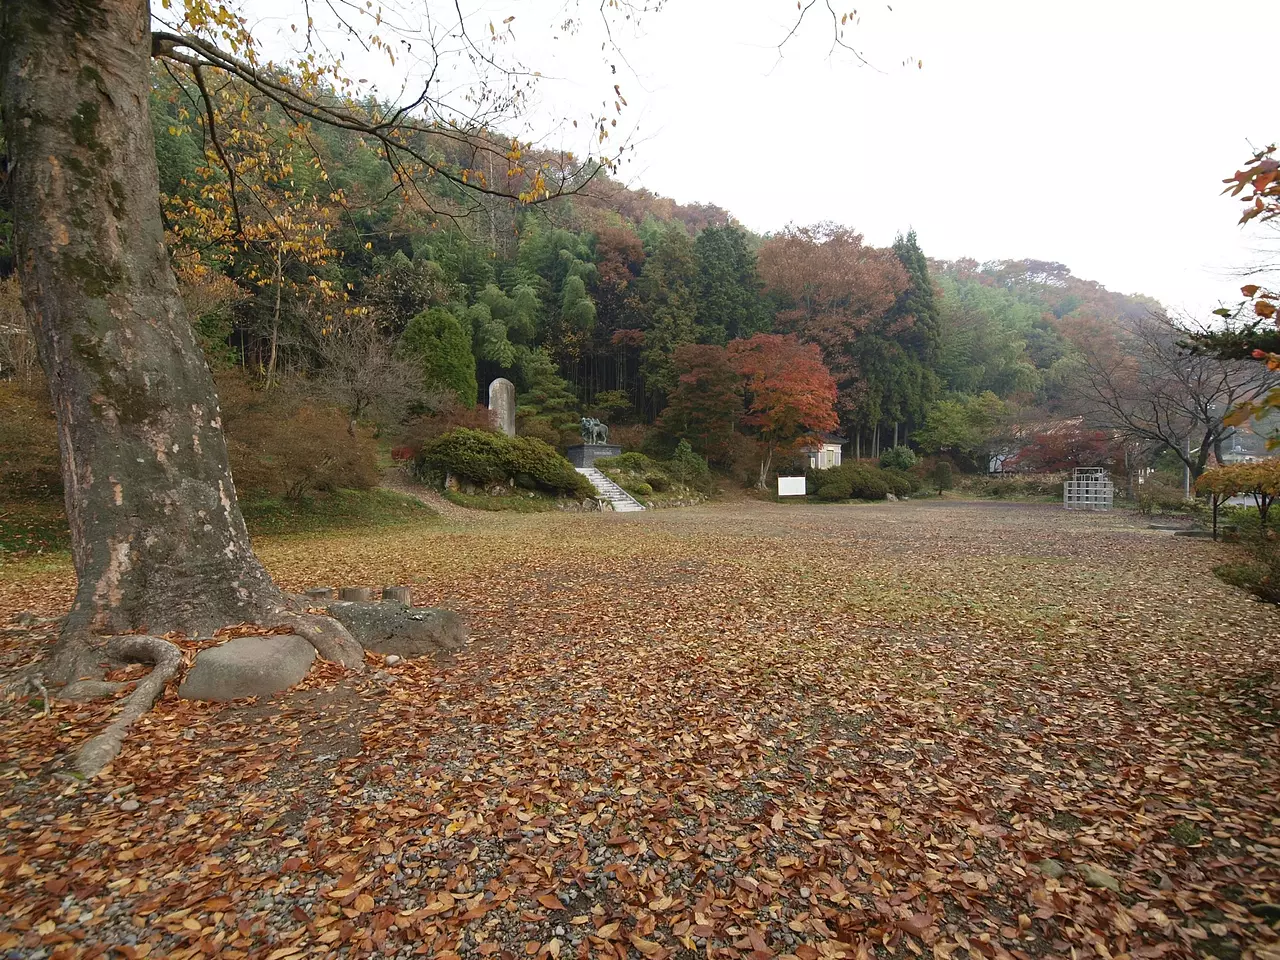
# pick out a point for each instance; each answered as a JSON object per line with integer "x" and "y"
{"x": 586, "y": 454}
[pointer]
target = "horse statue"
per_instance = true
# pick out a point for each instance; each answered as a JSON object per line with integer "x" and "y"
{"x": 593, "y": 431}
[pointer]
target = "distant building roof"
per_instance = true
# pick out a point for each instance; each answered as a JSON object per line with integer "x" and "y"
{"x": 827, "y": 438}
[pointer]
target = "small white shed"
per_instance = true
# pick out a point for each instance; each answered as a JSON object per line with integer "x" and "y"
{"x": 825, "y": 451}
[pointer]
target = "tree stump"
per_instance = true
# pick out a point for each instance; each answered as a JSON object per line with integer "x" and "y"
{"x": 358, "y": 594}
{"x": 322, "y": 593}
{"x": 402, "y": 594}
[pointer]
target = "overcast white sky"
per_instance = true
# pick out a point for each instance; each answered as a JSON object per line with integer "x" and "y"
{"x": 1093, "y": 133}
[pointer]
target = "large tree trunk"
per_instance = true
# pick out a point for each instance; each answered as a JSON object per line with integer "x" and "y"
{"x": 157, "y": 536}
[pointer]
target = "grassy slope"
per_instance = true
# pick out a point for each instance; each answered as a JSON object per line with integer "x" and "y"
{"x": 28, "y": 528}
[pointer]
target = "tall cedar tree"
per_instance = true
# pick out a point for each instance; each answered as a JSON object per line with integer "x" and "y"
{"x": 730, "y": 305}
{"x": 790, "y": 393}
{"x": 668, "y": 288}
{"x": 437, "y": 340}
{"x": 896, "y": 354}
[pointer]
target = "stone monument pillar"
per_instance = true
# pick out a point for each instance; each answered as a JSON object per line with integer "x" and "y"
{"x": 502, "y": 405}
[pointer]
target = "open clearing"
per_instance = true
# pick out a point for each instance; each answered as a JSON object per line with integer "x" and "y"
{"x": 741, "y": 730}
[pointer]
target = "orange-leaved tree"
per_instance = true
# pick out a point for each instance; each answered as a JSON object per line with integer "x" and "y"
{"x": 790, "y": 393}
{"x": 1258, "y": 479}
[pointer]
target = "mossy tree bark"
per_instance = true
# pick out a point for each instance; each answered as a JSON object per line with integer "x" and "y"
{"x": 157, "y": 536}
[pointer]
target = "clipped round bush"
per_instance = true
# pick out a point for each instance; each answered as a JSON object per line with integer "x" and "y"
{"x": 635, "y": 462}
{"x": 640, "y": 489}
{"x": 869, "y": 485}
{"x": 833, "y": 491}
{"x": 483, "y": 458}
{"x": 475, "y": 455}
{"x": 835, "y": 483}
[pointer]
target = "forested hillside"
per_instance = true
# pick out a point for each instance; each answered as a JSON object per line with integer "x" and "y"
{"x": 328, "y": 289}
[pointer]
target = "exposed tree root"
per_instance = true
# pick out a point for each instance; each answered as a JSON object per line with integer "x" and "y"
{"x": 22, "y": 681}
{"x": 79, "y": 662}
{"x": 44, "y": 695}
{"x": 166, "y": 658}
{"x": 90, "y": 689}
{"x": 330, "y": 638}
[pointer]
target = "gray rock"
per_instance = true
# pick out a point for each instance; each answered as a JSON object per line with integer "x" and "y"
{"x": 405, "y": 632}
{"x": 1095, "y": 876}
{"x": 393, "y": 659}
{"x": 130, "y": 805}
{"x": 248, "y": 667}
{"x": 1052, "y": 868}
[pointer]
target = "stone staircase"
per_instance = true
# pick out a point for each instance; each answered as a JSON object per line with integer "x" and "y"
{"x": 609, "y": 492}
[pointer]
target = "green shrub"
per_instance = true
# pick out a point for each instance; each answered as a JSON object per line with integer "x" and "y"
{"x": 688, "y": 468}
{"x": 853, "y": 480}
{"x": 869, "y": 484}
{"x": 638, "y": 488}
{"x": 476, "y": 455}
{"x": 634, "y": 462}
{"x": 1261, "y": 575}
{"x": 634, "y": 470}
{"x": 484, "y": 458}
{"x": 898, "y": 458}
{"x": 528, "y": 455}
{"x": 900, "y": 484}
{"x": 834, "y": 491}
{"x": 1154, "y": 497}
{"x": 1016, "y": 486}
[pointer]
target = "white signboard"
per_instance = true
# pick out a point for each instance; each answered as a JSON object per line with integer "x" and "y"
{"x": 791, "y": 487}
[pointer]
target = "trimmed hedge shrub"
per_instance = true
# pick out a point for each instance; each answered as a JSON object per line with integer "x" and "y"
{"x": 870, "y": 485}
{"x": 484, "y": 458}
{"x": 850, "y": 481}
{"x": 1016, "y": 486}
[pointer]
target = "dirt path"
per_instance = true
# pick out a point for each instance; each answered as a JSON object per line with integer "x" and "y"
{"x": 394, "y": 479}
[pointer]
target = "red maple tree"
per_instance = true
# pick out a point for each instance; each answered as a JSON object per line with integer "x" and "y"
{"x": 1065, "y": 446}
{"x": 790, "y": 393}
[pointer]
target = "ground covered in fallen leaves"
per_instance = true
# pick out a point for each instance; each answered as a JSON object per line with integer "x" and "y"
{"x": 937, "y": 728}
